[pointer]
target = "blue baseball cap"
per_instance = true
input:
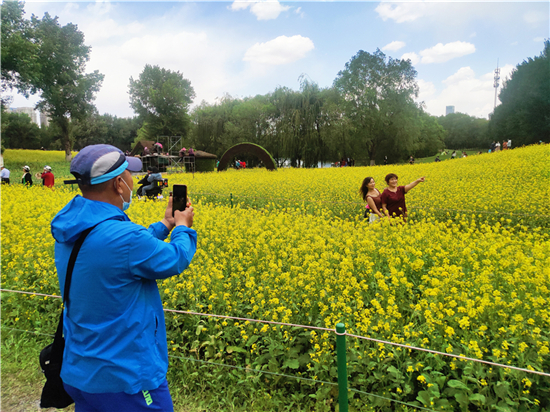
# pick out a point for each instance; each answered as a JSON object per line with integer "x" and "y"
{"x": 101, "y": 162}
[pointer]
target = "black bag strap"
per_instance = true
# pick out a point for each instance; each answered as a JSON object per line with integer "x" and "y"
{"x": 72, "y": 261}
{"x": 69, "y": 276}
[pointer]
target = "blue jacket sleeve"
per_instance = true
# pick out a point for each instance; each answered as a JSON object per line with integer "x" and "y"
{"x": 158, "y": 230}
{"x": 151, "y": 258}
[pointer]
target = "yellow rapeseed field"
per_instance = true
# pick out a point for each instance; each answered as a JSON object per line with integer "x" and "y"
{"x": 295, "y": 249}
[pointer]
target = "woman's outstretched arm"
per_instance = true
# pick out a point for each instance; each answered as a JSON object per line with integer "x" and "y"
{"x": 413, "y": 184}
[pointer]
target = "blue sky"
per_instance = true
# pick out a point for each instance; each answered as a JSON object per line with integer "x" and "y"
{"x": 249, "y": 48}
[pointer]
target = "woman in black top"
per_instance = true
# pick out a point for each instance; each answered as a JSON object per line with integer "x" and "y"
{"x": 27, "y": 177}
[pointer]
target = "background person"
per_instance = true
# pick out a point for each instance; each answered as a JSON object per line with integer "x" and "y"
{"x": 371, "y": 195}
{"x": 393, "y": 197}
{"x": 27, "y": 177}
{"x": 116, "y": 356}
{"x": 5, "y": 175}
{"x": 47, "y": 177}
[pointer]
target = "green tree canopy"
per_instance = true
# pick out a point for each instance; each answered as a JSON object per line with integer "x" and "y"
{"x": 19, "y": 132}
{"x": 19, "y": 64}
{"x": 377, "y": 94}
{"x": 67, "y": 92}
{"x": 464, "y": 131}
{"x": 524, "y": 115}
{"x": 161, "y": 98}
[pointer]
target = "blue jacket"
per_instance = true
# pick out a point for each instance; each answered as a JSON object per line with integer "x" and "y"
{"x": 154, "y": 176}
{"x": 115, "y": 335}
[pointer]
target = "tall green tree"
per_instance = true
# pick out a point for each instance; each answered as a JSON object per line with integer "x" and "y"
{"x": 378, "y": 96}
{"x": 19, "y": 132}
{"x": 162, "y": 98}
{"x": 19, "y": 64}
{"x": 67, "y": 92}
{"x": 464, "y": 131}
{"x": 524, "y": 115}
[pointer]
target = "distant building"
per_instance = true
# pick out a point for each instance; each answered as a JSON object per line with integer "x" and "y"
{"x": 44, "y": 120}
{"x": 29, "y": 111}
{"x": 449, "y": 110}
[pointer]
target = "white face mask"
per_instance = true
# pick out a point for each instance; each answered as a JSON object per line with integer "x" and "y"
{"x": 126, "y": 205}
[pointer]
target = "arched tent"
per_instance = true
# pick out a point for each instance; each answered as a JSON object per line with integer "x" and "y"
{"x": 247, "y": 148}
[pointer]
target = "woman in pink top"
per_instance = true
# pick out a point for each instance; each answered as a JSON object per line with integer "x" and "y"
{"x": 393, "y": 197}
{"x": 371, "y": 195}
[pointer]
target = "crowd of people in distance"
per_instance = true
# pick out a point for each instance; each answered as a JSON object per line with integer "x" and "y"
{"x": 388, "y": 204}
{"x": 344, "y": 162}
{"x": 497, "y": 147}
{"x": 48, "y": 179}
{"x": 239, "y": 164}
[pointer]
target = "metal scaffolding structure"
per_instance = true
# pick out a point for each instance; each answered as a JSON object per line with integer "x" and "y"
{"x": 178, "y": 163}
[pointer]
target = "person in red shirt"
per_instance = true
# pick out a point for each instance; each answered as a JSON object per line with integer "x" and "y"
{"x": 47, "y": 177}
{"x": 393, "y": 197}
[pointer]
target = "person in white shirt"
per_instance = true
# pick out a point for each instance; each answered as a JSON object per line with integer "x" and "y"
{"x": 509, "y": 143}
{"x": 5, "y": 175}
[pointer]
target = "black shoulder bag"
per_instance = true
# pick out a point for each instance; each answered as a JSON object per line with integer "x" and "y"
{"x": 51, "y": 357}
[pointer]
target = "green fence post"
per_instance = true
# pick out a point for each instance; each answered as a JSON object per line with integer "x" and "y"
{"x": 342, "y": 367}
{"x": 231, "y": 198}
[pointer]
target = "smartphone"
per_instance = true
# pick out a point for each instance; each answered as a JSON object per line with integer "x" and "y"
{"x": 179, "y": 200}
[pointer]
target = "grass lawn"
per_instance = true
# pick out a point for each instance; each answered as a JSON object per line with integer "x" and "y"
{"x": 469, "y": 152}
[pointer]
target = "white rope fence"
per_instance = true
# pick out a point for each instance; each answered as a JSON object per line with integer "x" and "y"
{"x": 294, "y": 325}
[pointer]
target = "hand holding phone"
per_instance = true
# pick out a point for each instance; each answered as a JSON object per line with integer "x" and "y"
{"x": 179, "y": 198}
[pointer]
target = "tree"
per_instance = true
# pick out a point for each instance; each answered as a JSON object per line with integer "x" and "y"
{"x": 464, "y": 131}
{"x": 378, "y": 97}
{"x": 67, "y": 92}
{"x": 431, "y": 139}
{"x": 19, "y": 64}
{"x": 161, "y": 98}
{"x": 105, "y": 129}
{"x": 524, "y": 115}
{"x": 19, "y": 132}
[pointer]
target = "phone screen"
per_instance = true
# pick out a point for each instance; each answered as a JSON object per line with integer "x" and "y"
{"x": 179, "y": 200}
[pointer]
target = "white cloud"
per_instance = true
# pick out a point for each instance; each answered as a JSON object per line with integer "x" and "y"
{"x": 463, "y": 74}
{"x": 533, "y": 17}
{"x": 281, "y": 50}
{"x": 400, "y": 12}
{"x": 474, "y": 34}
{"x": 463, "y": 89}
{"x": 263, "y": 9}
{"x": 442, "y": 53}
{"x": 413, "y": 57}
{"x": 514, "y": 43}
{"x": 394, "y": 46}
{"x": 538, "y": 39}
{"x": 425, "y": 90}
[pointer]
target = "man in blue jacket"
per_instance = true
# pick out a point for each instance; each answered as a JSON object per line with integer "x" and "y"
{"x": 116, "y": 356}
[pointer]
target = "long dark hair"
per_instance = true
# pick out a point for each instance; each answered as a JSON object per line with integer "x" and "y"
{"x": 364, "y": 188}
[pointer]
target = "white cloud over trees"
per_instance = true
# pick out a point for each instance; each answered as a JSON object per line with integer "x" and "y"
{"x": 394, "y": 46}
{"x": 263, "y": 9}
{"x": 281, "y": 50}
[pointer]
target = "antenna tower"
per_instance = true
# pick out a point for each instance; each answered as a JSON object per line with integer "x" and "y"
{"x": 496, "y": 84}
